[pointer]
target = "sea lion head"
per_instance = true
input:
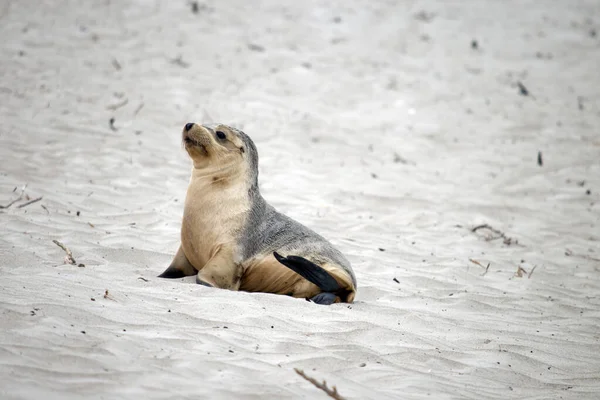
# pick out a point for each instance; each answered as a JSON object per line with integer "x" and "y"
{"x": 220, "y": 147}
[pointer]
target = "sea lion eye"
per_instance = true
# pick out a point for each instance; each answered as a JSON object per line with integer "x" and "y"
{"x": 221, "y": 135}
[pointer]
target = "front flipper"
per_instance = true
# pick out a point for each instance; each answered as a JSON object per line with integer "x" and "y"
{"x": 312, "y": 273}
{"x": 221, "y": 271}
{"x": 180, "y": 267}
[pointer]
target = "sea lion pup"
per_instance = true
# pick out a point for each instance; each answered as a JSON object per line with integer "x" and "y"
{"x": 232, "y": 239}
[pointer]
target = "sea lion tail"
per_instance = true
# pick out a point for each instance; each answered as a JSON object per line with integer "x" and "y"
{"x": 311, "y": 272}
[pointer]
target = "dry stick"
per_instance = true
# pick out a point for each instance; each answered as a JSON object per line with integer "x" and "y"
{"x": 69, "y": 258}
{"x": 519, "y": 273}
{"x": 120, "y": 104}
{"x": 11, "y": 203}
{"x": 108, "y": 296}
{"x": 30, "y": 202}
{"x": 531, "y": 272}
{"x": 486, "y": 269}
{"x": 333, "y": 393}
{"x": 138, "y": 109}
{"x": 44, "y": 207}
{"x": 17, "y": 199}
{"x": 494, "y": 230}
{"x": 507, "y": 240}
{"x": 481, "y": 265}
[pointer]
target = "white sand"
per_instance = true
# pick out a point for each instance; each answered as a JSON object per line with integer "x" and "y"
{"x": 328, "y": 104}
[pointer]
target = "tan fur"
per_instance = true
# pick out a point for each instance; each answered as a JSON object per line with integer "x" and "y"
{"x": 266, "y": 274}
{"x": 221, "y": 270}
{"x": 214, "y": 207}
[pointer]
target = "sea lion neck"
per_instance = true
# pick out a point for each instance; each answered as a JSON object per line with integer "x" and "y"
{"x": 228, "y": 176}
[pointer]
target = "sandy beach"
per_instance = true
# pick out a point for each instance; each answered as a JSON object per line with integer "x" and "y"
{"x": 451, "y": 150}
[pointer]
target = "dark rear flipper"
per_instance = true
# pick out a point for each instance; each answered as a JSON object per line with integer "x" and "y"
{"x": 315, "y": 274}
{"x": 325, "y": 298}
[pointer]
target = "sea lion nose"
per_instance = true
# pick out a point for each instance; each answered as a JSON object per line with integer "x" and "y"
{"x": 188, "y": 126}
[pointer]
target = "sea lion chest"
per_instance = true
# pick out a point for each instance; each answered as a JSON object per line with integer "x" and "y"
{"x": 214, "y": 214}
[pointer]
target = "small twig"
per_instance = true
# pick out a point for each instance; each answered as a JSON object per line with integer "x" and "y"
{"x": 144, "y": 279}
{"x": 92, "y": 225}
{"x": 481, "y": 265}
{"x": 138, "y": 109}
{"x": 118, "y": 105}
{"x": 333, "y": 393}
{"x": 69, "y": 257}
{"x": 477, "y": 262}
{"x": 11, "y": 203}
{"x": 108, "y": 296}
{"x": 531, "y": 272}
{"x": 520, "y": 271}
{"x": 30, "y": 202}
{"x": 500, "y": 235}
{"x": 17, "y": 199}
{"x": 486, "y": 226}
{"x": 486, "y": 269}
{"x": 44, "y": 207}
